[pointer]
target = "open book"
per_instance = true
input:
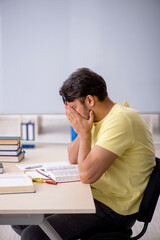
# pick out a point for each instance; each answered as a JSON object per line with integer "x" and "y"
{"x": 61, "y": 172}
{"x": 15, "y": 183}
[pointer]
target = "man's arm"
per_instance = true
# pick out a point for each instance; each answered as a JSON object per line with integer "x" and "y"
{"x": 73, "y": 149}
{"x": 92, "y": 163}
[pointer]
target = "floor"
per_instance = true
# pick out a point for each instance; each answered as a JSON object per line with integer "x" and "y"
{"x": 52, "y": 129}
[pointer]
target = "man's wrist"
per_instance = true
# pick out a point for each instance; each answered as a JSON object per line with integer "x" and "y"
{"x": 84, "y": 136}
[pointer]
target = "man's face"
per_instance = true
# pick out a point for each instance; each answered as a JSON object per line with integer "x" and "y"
{"x": 82, "y": 109}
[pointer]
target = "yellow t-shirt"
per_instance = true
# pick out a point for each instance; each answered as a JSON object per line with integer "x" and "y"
{"x": 126, "y": 134}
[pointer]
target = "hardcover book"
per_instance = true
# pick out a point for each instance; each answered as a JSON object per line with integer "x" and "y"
{"x": 8, "y": 147}
{"x": 9, "y": 140}
{"x": 15, "y": 183}
{"x": 10, "y": 152}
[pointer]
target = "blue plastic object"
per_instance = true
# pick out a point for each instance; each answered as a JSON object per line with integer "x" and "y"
{"x": 73, "y": 134}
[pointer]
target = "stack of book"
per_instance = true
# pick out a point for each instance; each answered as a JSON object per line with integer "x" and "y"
{"x": 10, "y": 149}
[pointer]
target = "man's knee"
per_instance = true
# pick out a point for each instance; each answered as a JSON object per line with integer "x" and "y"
{"x": 33, "y": 233}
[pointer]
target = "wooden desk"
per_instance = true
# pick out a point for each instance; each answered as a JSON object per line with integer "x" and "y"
{"x": 74, "y": 197}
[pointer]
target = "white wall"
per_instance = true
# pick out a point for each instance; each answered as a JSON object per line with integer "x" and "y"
{"x": 43, "y": 41}
{"x": 1, "y": 75}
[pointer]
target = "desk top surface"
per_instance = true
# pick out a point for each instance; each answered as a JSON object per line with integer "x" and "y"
{"x": 74, "y": 197}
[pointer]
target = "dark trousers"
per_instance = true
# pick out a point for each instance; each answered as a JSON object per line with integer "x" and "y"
{"x": 71, "y": 226}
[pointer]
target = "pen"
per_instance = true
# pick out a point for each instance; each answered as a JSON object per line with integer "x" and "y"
{"x": 41, "y": 180}
{"x": 35, "y": 166}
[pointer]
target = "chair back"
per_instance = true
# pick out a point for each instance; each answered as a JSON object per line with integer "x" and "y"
{"x": 151, "y": 195}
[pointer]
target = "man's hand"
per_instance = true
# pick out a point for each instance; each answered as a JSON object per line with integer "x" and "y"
{"x": 81, "y": 125}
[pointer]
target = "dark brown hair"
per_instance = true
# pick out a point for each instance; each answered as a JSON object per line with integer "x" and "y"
{"x": 81, "y": 83}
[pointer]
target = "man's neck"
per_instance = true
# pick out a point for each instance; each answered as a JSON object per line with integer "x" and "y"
{"x": 103, "y": 108}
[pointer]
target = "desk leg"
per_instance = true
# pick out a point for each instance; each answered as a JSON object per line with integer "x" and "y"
{"x": 49, "y": 230}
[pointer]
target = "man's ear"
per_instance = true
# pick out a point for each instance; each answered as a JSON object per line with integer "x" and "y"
{"x": 90, "y": 101}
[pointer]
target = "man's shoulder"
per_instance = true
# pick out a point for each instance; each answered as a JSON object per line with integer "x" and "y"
{"x": 120, "y": 113}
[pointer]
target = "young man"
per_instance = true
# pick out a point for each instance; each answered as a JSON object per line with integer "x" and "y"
{"x": 115, "y": 154}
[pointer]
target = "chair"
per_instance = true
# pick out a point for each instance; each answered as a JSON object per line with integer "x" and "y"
{"x": 144, "y": 215}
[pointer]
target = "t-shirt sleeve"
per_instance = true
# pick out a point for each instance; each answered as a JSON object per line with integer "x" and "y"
{"x": 116, "y": 135}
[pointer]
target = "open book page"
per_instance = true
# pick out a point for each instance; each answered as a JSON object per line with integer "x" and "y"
{"x": 15, "y": 183}
{"x": 61, "y": 173}
{"x": 33, "y": 166}
{"x": 36, "y": 175}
